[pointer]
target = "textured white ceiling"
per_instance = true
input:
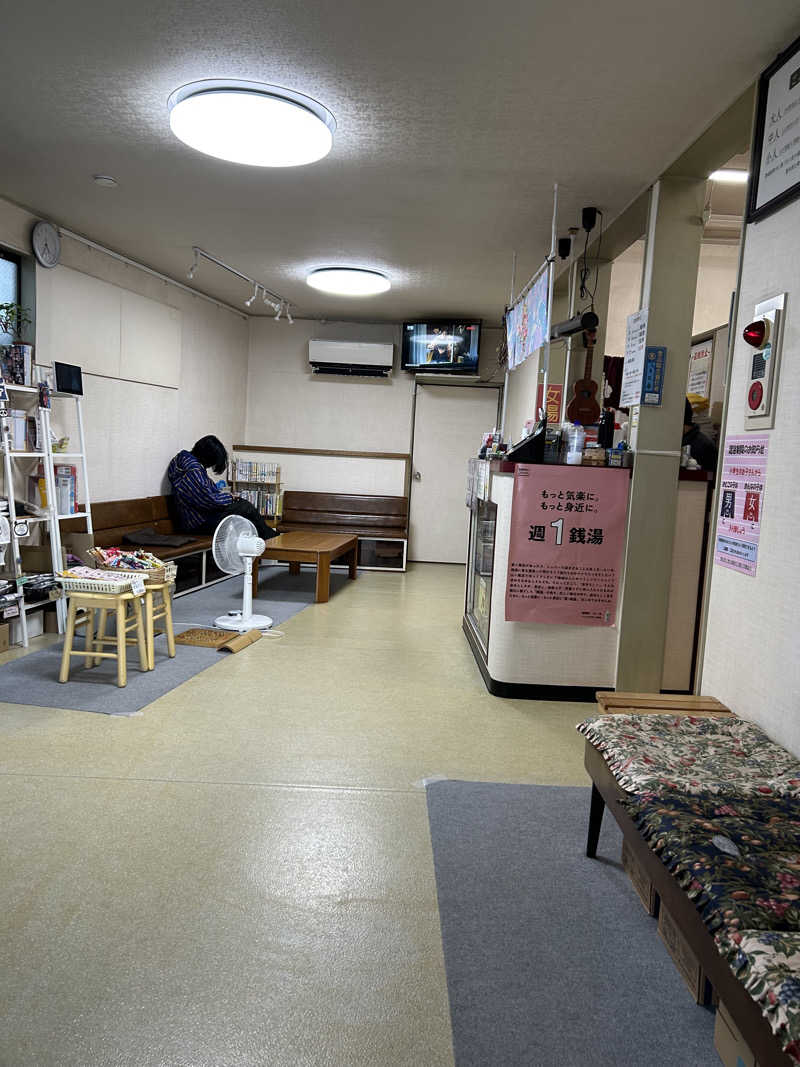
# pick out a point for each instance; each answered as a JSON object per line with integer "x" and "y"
{"x": 454, "y": 119}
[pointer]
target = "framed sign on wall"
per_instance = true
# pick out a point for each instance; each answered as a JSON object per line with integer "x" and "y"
{"x": 775, "y": 166}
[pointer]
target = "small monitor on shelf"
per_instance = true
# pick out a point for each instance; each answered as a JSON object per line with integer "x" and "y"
{"x": 444, "y": 346}
{"x": 68, "y": 378}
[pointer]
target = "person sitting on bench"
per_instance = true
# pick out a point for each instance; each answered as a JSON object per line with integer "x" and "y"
{"x": 201, "y": 504}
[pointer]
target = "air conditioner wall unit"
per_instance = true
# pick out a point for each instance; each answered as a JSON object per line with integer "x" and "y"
{"x": 357, "y": 359}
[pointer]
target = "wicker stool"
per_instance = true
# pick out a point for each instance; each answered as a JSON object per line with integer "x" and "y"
{"x": 104, "y": 603}
{"x": 153, "y": 611}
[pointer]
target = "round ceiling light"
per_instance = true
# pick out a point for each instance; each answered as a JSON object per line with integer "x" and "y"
{"x": 252, "y": 123}
{"x": 348, "y": 281}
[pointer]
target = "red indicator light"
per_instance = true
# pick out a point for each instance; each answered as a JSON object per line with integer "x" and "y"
{"x": 756, "y": 333}
{"x": 755, "y": 396}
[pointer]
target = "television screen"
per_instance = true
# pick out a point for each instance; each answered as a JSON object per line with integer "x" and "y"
{"x": 441, "y": 345}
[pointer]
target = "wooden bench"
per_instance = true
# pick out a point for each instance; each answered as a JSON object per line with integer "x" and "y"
{"x": 607, "y": 793}
{"x": 112, "y": 519}
{"x": 379, "y": 522}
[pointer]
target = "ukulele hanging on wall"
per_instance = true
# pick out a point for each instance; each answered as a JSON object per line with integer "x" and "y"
{"x": 583, "y": 407}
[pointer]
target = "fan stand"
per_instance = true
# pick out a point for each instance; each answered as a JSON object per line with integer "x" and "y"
{"x": 244, "y": 620}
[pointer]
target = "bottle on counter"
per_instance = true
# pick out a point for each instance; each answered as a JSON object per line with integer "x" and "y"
{"x": 605, "y": 429}
{"x": 576, "y": 439}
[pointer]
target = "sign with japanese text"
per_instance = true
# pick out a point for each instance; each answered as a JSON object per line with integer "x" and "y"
{"x": 741, "y": 503}
{"x": 553, "y": 409}
{"x": 699, "y": 380}
{"x": 633, "y": 369}
{"x": 565, "y": 551}
{"x": 776, "y": 143}
{"x": 655, "y": 360}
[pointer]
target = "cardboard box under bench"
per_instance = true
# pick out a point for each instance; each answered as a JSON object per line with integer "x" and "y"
{"x": 640, "y": 879}
{"x": 732, "y": 1048}
{"x": 686, "y": 962}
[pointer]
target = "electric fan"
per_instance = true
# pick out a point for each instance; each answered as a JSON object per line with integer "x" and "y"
{"x": 236, "y": 544}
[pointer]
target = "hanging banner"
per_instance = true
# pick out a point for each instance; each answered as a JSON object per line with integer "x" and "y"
{"x": 567, "y": 540}
{"x": 633, "y": 370}
{"x": 526, "y": 323}
{"x": 741, "y": 503}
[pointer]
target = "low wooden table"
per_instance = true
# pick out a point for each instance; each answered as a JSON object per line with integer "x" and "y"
{"x": 311, "y": 546}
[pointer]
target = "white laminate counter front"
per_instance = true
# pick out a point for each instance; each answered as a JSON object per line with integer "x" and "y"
{"x": 526, "y": 653}
{"x": 585, "y": 657}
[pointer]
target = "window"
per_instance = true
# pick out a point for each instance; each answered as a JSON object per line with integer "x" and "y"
{"x": 9, "y": 284}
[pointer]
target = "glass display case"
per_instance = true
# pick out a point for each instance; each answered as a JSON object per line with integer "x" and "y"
{"x": 483, "y": 521}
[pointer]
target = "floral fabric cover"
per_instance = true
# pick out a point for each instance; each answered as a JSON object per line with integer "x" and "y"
{"x": 721, "y": 755}
{"x": 739, "y": 860}
{"x": 767, "y": 963}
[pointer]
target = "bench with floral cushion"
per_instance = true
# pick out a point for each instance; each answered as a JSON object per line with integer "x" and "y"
{"x": 767, "y": 963}
{"x": 709, "y": 808}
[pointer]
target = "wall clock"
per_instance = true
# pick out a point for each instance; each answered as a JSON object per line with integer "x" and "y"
{"x": 46, "y": 244}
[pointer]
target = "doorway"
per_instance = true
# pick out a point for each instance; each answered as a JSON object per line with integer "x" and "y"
{"x": 449, "y": 421}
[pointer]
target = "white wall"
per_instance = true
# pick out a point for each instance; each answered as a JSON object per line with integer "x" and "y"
{"x": 716, "y": 280}
{"x": 164, "y": 367}
{"x": 751, "y": 658}
{"x": 289, "y": 407}
{"x": 523, "y": 382}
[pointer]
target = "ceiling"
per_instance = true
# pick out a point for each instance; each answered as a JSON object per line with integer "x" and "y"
{"x": 454, "y": 117}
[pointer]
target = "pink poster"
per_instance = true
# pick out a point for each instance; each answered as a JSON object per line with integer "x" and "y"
{"x": 741, "y": 502}
{"x": 567, "y": 538}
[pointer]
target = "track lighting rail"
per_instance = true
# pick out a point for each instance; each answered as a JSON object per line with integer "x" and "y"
{"x": 279, "y": 304}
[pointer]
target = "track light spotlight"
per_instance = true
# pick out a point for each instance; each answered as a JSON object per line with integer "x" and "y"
{"x": 251, "y": 301}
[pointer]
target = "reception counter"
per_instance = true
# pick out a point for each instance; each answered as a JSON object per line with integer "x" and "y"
{"x": 541, "y": 660}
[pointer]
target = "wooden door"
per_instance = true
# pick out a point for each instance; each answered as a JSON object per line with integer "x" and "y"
{"x": 448, "y": 424}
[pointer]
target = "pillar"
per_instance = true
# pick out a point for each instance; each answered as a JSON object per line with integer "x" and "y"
{"x": 669, "y": 282}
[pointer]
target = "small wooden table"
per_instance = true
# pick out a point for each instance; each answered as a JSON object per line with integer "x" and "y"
{"x": 311, "y": 546}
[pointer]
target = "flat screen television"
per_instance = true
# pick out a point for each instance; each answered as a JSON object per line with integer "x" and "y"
{"x": 447, "y": 346}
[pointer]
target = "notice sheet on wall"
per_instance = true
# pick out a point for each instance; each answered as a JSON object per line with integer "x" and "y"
{"x": 741, "y": 503}
{"x": 565, "y": 551}
{"x": 699, "y": 380}
{"x": 633, "y": 369}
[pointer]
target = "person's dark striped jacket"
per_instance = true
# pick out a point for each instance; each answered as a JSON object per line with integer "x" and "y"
{"x": 196, "y": 496}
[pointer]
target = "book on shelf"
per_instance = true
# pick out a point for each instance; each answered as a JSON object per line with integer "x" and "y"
{"x": 37, "y": 490}
{"x": 33, "y": 436}
{"x": 247, "y": 470}
{"x": 16, "y": 364}
{"x": 66, "y": 478}
{"x": 269, "y": 504}
{"x": 18, "y": 430}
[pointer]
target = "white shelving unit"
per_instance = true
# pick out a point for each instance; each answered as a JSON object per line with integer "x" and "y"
{"x": 49, "y": 459}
